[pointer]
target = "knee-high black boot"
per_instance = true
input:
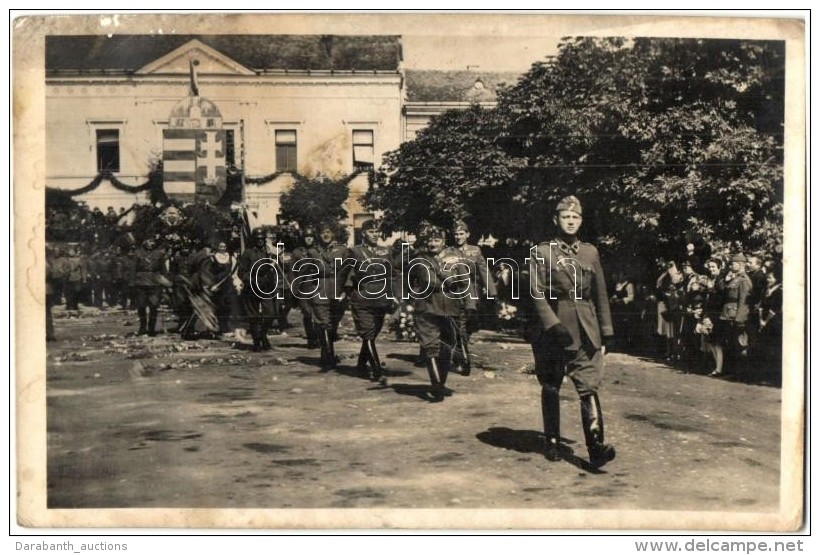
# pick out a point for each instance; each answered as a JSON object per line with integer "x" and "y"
{"x": 592, "y": 419}
{"x": 444, "y": 362}
{"x": 551, "y": 415}
{"x": 142, "y": 313}
{"x": 463, "y": 354}
{"x": 254, "y": 329}
{"x": 376, "y": 374}
{"x": 264, "y": 343}
{"x": 152, "y": 321}
{"x": 361, "y": 364}
{"x": 421, "y": 360}
{"x": 310, "y": 332}
{"x": 436, "y": 389}
{"x": 328, "y": 360}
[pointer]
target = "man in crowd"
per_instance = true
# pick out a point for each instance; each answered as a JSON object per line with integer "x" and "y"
{"x": 757, "y": 276}
{"x": 736, "y": 310}
{"x": 99, "y": 269}
{"x": 75, "y": 277}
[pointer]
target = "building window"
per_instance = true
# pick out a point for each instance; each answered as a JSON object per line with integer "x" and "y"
{"x": 230, "y": 148}
{"x": 286, "y": 150}
{"x": 363, "y": 149}
{"x": 108, "y": 150}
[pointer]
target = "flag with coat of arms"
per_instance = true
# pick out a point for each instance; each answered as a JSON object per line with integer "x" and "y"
{"x": 194, "y": 167}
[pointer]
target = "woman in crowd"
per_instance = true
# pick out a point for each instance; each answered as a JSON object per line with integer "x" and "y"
{"x": 713, "y": 329}
{"x": 668, "y": 286}
{"x": 771, "y": 319}
{"x": 690, "y": 314}
{"x": 221, "y": 267}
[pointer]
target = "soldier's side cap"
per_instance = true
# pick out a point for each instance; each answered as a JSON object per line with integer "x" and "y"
{"x": 570, "y": 203}
{"x": 739, "y": 257}
{"x": 309, "y": 232}
{"x": 434, "y": 231}
{"x": 370, "y": 224}
{"x": 461, "y": 225}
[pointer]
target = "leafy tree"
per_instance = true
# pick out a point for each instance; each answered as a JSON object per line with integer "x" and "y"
{"x": 659, "y": 137}
{"x": 454, "y": 169}
{"x": 314, "y": 201}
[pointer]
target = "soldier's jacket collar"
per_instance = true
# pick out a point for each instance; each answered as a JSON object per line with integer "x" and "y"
{"x": 566, "y": 248}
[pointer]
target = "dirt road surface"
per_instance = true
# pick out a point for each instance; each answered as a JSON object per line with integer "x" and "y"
{"x": 144, "y": 422}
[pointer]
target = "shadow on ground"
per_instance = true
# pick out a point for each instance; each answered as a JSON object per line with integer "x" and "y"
{"x": 529, "y": 441}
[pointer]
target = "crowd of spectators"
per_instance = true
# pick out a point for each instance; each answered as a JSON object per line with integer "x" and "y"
{"x": 721, "y": 313}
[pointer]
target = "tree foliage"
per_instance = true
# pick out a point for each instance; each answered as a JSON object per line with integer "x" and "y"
{"x": 454, "y": 169}
{"x": 314, "y": 201}
{"x": 658, "y": 137}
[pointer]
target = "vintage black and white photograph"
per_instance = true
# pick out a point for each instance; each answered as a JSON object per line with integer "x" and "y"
{"x": 410, "y": 271}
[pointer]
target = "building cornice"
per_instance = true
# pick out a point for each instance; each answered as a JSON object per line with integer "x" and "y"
{"x": 279, "y": 79}
{"x": 429, "y": 108}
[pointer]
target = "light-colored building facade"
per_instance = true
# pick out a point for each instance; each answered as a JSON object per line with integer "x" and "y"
{"x": 431, "y": 92}
{"x": 310, "y": 105}
{"x": 313, "y": 122}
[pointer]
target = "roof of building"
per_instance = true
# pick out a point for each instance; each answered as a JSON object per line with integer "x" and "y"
{"x": 456, "y": 86}
{"x": 256, "y": 52}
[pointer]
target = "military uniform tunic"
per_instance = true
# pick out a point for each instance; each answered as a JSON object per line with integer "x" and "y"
{"x": 568, "y": 287}
{"x": 258, "y": 310}
{"x": 370, "y": 283}
{"x": 326, "y": 301}
{"x": 436, "y": 301}
{"x": 149, "y": 277}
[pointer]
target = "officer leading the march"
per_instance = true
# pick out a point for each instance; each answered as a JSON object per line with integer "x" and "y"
{"x": 572, "y": 322}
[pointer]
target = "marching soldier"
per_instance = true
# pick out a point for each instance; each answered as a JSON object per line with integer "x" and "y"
{"x": 149, "y": 280}
{"x": 282, "y": 260}
{"x": 479, "y": 283}
{"x": 327, "y": 299}
{"x": 301, "y": 290}
{"x": 437, "y": 307}
{"x": 371, "y": 296}
{"x": 257, "y": 287}
{"x": 569, "y": 333}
